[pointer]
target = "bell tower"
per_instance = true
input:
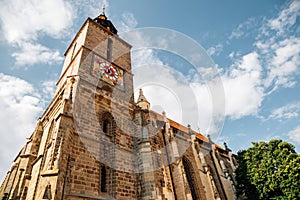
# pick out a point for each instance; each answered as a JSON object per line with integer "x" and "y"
{"x": 99, "y": 148}
{"x": 83, "y": 145}
{"x": 97, "y": 42}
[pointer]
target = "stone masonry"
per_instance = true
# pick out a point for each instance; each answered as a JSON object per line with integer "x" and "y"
{"x": 94, "y": 142}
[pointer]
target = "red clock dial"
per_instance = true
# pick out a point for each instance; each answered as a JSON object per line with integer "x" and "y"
{"x": 109, "y": 71}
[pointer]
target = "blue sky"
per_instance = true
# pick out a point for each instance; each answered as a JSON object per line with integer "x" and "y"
{"x": 254, "y": 44}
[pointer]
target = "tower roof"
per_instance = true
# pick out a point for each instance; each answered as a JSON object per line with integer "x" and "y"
{"x": 102, "y": 19}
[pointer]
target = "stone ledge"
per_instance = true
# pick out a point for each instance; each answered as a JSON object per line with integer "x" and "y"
{"x": 50, "y": 172}
{"x": 101, "y": 197}
{"x": 27, "y": 155}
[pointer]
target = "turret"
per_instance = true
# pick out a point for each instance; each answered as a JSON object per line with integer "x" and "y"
{"x": 142, "y": 102}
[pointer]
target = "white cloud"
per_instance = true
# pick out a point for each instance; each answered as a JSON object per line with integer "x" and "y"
{"x": 285, "y": 50}
{"x": 282, "y": 60}
{"x": 216, "y": 50}
{"x": 243, "y": 96}
{"x": 127, "y": 22}
{"x": 92, "y": 8}
{"x": 242, "y": 85}
{"x": 286, "y": 18}
{"x": 105, "y": 3}
{"x": 273, "y": 63}
{"x": 208, "y": 116}
{"x": 20, "y": 106}
{"x": 30, "y": 54}
{"x": 242, "y": 29}
{"x": 295, "y": 134}
{"x": 250, "y": 63}
{"x": 286, "y": 112}
{"x": 48, "y": 88}
{"x": 278, "y": 44}
{"x": 234, "y": 55}
{"x": 24, "y": 23}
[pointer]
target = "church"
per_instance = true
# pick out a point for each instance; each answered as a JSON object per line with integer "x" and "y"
{"x": 95, "y": 142}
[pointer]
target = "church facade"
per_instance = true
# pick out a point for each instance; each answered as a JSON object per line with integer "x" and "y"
{"x": 95, "y": 142}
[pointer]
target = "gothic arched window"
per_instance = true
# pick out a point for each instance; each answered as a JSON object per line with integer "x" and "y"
{"x": 106, "y": 126}
{"x": 191, "y": 179}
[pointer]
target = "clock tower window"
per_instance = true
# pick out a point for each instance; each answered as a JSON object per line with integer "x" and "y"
{"x": 103, "y": 179}
{"x": 109, "y": 49}
{"x": 106, "y": 126}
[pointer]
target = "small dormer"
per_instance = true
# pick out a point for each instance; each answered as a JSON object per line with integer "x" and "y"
{"x": 142, "y": 102}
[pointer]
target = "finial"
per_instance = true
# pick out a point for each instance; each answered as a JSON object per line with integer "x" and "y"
{"x": 164, "y": 114}
{"x": 226, "y": 147}
{"x": 103, "y": 9}
{"x": 209, "y": 139}
{"x": 141, "y": 91}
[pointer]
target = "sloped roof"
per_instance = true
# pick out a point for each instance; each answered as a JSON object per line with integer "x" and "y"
{"x": 183, "y": 128}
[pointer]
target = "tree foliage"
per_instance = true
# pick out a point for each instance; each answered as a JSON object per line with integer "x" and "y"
{"x": 268, "y": 171}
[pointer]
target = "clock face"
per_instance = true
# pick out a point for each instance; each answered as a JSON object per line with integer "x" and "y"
{"x": 107, "y": 71}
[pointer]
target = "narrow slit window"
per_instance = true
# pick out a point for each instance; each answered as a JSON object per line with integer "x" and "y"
{"x": 109, "y": 49}
{"x": 73, "y": 51}
{"x": 103, "y": 179}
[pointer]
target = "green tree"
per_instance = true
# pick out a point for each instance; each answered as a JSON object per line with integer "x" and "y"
{"x": 268, "y": 170}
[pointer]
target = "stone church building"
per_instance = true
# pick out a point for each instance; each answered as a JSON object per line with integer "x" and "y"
{"x": 95, "y": 142}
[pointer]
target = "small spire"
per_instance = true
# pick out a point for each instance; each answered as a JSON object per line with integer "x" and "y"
{"x": 142, "y": 98}
{"x": 142, "y": 101}
{"x": 190, "y": 129}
